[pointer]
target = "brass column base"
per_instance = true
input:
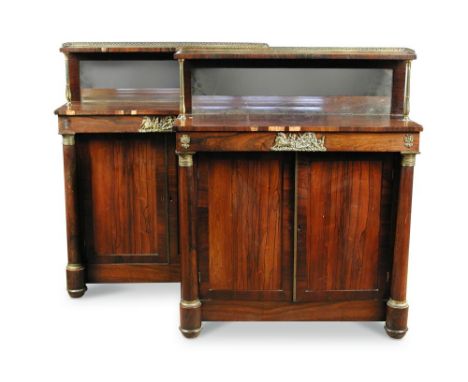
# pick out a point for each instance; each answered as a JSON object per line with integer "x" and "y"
{"x": 190, "y": 318}
{"x": 76, "y": 293}
{"x": 396, "y": 334}
{"x": 190, "y": 333}
{"x": 76, "y": 285}
{"x": 397, "y": 318}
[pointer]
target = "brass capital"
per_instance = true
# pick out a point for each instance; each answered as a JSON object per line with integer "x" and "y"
{"x": 68, "y": 139}
{"x": 408, "y": 160}
{"x": 185, "y": 160}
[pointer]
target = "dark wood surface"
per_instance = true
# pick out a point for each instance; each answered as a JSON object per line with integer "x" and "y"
{"x": 398, "y": 88}
{"x": 334, "y": 141}
{"x": 397, "y": 316}
{"x": 168, "y": 106}
{"x": 76, "y": 280}
{"x": 343, "y": 226}
{"x": 262, "y": 234}
{"x": 190, "y": 316}
{"x": 128, "y": 208}
{"x": 73, "y": 77}
{"x": 402, "y": 238}
{"x": 275, "y": 53}
{"x": 296, "y": 122}
{"x": 132, "y": 273}
{"x": 232, "y": 109}
{"x": 105, "y": 124}
{"x": 244, "y": 225}
{"x": 227, "y": 310}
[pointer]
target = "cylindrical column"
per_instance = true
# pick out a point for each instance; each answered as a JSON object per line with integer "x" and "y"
{"x": 76, "y": 285}
{"x": 397, "y": 307}
{"x": 190, "y": 305}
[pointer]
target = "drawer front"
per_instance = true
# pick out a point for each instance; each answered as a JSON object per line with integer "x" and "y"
{"x": 298, "y": 142}
{"x": 116, "y": 124}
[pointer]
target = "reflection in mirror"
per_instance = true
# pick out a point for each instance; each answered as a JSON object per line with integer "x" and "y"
{"x": 112, "y": 80}
{"x": 316, "y": 90}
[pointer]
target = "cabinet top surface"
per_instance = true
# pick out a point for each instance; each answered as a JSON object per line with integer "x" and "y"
{"x": 291, "y": 122}
{"x": 149, "y": 47}
{"x": 165, "y": 106}
{"x": 298, "y": 53}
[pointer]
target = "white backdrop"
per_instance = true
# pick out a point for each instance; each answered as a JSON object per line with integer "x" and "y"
{"x": 129, "y": 332}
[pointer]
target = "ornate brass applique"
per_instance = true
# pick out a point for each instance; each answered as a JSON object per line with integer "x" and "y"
{"x": 409, "y": 140}
{"x": 185, "y": 141}
{"x": 157, "y": 124}
{"x": 299, "y": 142}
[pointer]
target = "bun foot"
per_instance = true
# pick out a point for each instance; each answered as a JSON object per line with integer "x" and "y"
{"x": 190, "y": 333}
{"x": 76, "y": 293}
{"x": 396, "y": 334}
{"x": 397, "y": 318}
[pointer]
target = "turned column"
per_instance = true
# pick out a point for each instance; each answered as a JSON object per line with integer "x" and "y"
{"x": 190, "y": 305}
{"x": 76, "y": 285}
{"x": 397, "y": 307}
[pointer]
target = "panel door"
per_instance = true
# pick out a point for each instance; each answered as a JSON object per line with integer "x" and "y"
{"x": 245, "y": 225}
{"x": 127, "y": 197}
{"x": 344, "y": 226}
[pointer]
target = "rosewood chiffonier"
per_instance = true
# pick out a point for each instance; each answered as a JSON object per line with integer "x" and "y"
{"x": 120, "y": 163}
{"x": 295, "y": 196}
{"x": 274, "y": 183}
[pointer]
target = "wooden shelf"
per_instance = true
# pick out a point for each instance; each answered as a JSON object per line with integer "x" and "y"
{"x": 298, "y": 122}
{"x": 162, "y": 107}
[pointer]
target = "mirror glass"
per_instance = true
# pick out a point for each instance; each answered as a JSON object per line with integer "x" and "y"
{"x": 121, "y": 80}
{"x": 321, "y": 90}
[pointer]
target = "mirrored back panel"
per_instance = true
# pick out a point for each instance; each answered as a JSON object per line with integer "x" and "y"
{"x": 129, "y": 80}
{"x": 302, "y": 90}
